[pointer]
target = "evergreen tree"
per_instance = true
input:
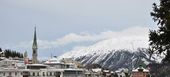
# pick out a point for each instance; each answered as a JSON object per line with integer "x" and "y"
{"x": 160, "y": 38}
{"x": 9, "y": 53}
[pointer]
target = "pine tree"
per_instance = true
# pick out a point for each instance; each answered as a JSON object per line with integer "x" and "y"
{"x": 10, "y": 53}
{"x": 160, "y": 38}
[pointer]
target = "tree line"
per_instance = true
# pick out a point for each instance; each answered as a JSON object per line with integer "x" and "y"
{"x": 10, "y": 53}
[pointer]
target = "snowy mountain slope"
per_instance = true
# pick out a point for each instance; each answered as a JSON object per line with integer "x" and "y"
{"x": 105, "y": 46}
{"x": 116, "y": 59}
{"x": 114, "y": 53}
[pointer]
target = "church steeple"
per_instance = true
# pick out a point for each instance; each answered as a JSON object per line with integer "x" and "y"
{"x": 34, "y": 48}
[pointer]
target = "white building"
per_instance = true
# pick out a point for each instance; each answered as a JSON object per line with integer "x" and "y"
{"x": 39, "y": 70}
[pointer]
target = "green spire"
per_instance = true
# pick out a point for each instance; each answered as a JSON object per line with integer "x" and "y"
{"x": 34, "y": 46}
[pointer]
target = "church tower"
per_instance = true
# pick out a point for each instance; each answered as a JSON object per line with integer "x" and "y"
{"x": 34, "y": 48}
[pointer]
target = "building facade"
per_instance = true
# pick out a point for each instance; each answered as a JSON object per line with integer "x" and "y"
{"x": 140, "y": 72}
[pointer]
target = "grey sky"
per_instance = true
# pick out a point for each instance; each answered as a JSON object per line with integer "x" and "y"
{"x": 57, "y": 18}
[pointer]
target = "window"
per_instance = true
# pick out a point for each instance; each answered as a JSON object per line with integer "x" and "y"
{"x": 43, "y": 73}
{"x": 4, "y": 74}
{"x": 15, "y": 73}
{"x": 67, "y": 66}
{"x": 10, "y": 73}
{"x": 33, "y": 74}
{"x": 50, "y": 73}
{"x": 37, "y": 73}
{"x": 57, "y": 74}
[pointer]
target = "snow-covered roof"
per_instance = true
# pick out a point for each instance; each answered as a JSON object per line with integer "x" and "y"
{"x": 53, "y": 61}
{"x": 97, "y": 70}
{"x": 106, "y": 70}
{"x": 121, "y": 70}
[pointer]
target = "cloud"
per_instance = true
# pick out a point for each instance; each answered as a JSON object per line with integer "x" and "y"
{"x": 127, "y": 34}
{"x": 128, "y": 39}
{"x": 86, "y": 37}
{"x": 72, "y": 37}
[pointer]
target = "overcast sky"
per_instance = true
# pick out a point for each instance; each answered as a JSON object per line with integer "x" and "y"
{"x": 65, "y": 24}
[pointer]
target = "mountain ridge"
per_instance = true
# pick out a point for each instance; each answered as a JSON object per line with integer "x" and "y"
{"x": 126, "y": 52}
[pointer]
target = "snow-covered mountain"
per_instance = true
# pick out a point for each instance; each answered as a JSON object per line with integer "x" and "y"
{"x": 105, "y": 46}
{"x": 124, "y": 52}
